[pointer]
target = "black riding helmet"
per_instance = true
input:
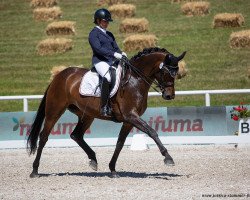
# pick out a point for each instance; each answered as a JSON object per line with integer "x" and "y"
{"x": 102, "y": 14}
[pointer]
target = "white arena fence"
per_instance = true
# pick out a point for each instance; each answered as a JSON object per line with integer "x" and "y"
{"x": 207, "y": 94}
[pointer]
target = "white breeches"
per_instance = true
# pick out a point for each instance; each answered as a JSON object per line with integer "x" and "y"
{"x": 102, "y": 68}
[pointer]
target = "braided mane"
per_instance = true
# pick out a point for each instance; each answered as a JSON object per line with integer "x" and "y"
{"x": 147, "y": 51}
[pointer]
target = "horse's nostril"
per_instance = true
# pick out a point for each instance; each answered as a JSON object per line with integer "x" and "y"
{"x": 167, "y": 97}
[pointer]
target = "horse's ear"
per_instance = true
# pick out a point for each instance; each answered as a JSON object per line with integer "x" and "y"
{"x": 182, "y": 56}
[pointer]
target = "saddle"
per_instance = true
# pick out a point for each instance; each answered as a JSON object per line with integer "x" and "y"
{"x": 91, "y": 82}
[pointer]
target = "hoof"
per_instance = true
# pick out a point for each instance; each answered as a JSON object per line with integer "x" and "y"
{"x": 34, "y": 175}
{"x": 93, "y": 165}
{"x": 169, "y": 162}
{"x": 114, "y": 175}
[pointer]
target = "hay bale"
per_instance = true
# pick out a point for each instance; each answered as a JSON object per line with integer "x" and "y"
{"x": 133, "y": 25}
{"x": 61, "y": 28}
{"x": 139, "y": 42}
{"x": 109, "y": 2}
{"x": 55, "y": 70}
{"x": 47, "y": 14}
{"x": 43, "y": 3}
{"x": 195, "y": 8}
{"x": 54, "y": 45}
{"x": 182, "y": 70}
{"x": 240, "y": 39}
{"x": 122, "y": 10}
{"x": 228, "y": 20}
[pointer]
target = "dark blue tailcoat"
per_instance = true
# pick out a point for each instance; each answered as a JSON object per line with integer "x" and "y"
{"x": 103, "y": 45}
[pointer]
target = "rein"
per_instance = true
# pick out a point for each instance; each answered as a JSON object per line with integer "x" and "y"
{"x": 143, "y": 77}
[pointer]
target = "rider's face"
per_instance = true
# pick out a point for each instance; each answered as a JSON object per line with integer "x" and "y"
{"x": 104, "y": 24}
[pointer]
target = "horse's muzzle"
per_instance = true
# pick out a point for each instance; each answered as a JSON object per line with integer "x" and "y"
{"x": 168, "y": 96}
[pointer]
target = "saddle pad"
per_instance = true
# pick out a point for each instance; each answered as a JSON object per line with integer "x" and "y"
{"x": 90, "y": 81}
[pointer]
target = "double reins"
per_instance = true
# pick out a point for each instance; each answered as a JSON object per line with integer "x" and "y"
{"x": 141, "y": 75}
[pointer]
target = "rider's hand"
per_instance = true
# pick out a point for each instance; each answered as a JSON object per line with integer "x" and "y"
{"x": 118, "y": 55}
{"x": 124, "y": 54}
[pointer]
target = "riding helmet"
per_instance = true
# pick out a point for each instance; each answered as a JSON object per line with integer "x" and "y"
{"x": 102, "y": 14}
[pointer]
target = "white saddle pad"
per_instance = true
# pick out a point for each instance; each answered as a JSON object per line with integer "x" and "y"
{"x": 90, "y": 81}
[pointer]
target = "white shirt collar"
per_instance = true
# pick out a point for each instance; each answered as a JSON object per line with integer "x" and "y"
{"x": 103, "y": 30}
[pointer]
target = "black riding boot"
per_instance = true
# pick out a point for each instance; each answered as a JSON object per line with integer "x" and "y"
{"x": 105, "y": 92}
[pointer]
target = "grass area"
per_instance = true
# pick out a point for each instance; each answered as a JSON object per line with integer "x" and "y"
{"x": 212, "y": 64}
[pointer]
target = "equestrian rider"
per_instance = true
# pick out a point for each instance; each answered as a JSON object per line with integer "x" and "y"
{"x": 105, "y": 52}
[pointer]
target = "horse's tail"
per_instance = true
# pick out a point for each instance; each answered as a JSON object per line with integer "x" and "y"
{"x": 36, "y": 126}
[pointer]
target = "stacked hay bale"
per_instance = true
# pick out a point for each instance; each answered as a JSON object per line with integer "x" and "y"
{"x": 61, "y": 28}
{"x": 139, "y": 42}
{"x": 240, "y": 39}
{"x": 195, "y": 8}
{"x": 228, "y": 20}
{"x": 43, "y": 3}
{"x": 47, "y": 14}
{"x": 134, "y": 25}
{"x": 182, "y": 70}
{"x": 57, "y": 45}
{"x": 47, "y": 10}
{"x": 122, "y": 10}
{"x": 54, "y": 45}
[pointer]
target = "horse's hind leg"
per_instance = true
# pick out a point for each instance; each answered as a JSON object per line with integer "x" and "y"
{"x": 48, "y": 125}
{"x": 77, "y": 136}
{"x": 52, "y": 114}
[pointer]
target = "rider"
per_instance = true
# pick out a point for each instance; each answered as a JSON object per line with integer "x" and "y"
{"x": 105, "y": 52}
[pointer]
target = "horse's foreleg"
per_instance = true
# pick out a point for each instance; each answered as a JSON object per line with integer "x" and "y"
{"x": 77, "y": 136}
{"x": 119, "y": 145}
{"x": 143, "y": 126}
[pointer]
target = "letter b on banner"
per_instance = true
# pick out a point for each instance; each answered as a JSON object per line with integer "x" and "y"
{"x": 244, "y": 126}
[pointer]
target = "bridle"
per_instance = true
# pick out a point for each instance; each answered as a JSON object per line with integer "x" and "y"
{"x": 172, "y": 70}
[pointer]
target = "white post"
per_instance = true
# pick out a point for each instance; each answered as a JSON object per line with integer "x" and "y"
{"x": 139, "y": 142}
{"x": 25, "y": 105}
{"x": 207, "y": 95}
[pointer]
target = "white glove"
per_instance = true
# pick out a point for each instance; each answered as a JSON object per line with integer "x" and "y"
{"x": 124, "y": 54}
{"x": 118, "y": 55}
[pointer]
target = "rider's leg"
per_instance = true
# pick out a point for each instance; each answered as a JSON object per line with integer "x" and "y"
{"x": 105, "y": 92}
{"x": 103, "y": 69}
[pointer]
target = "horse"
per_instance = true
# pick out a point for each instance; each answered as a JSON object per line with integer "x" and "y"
{"x": 152, "y": 65}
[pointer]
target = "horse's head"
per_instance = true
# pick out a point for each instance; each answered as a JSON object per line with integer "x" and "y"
{"x": 166, "y": 75}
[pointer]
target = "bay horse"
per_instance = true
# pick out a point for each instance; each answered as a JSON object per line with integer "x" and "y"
{"x": 128, "y": 104}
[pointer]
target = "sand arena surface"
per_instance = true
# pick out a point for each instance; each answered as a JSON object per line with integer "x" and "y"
{"x": 200, "y": 171}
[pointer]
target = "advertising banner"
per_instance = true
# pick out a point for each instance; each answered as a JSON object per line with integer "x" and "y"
{"x": 173, "y": 121}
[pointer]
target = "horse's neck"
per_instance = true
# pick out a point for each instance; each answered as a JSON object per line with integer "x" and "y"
{"x": 149, "y": 63}
{"x": 146, "y": 66}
